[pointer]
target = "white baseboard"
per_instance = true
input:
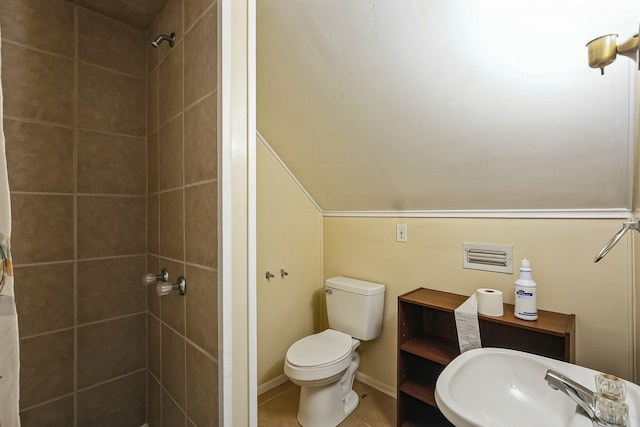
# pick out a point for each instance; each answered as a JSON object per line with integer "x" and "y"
{"x": 271, "y": 384}
{"x": 365, "y": 379}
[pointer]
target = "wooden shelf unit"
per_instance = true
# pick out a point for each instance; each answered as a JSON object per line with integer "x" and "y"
{"x": 428, "y": 341}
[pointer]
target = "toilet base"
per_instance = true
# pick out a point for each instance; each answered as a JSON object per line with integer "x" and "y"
{"x": 329, "y": 405}
{"x": 324, "y": 406}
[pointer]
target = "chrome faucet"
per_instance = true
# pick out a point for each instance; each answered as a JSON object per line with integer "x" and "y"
{"x": 583, "y": 397}
{"x": 576, "y": 392}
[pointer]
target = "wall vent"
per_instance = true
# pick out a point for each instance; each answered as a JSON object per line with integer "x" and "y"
{"x": 488, "y": 257}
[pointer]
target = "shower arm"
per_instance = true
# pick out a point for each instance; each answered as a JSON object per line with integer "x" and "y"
{"x": 629, "y": 225}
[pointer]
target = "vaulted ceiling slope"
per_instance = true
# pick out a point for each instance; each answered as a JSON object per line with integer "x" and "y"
{"x": 448, "y": 104}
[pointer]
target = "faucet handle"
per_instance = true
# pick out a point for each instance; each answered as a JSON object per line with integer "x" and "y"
{"x": 610, "y": 384}
{"x": 150, "y": 278}
{"x": 611, "y": 410}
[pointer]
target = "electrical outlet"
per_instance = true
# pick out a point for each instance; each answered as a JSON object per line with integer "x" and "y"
{"x": 401, "y": 233}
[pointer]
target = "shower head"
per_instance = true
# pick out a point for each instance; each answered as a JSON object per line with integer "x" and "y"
{"x": 163, "y": 37}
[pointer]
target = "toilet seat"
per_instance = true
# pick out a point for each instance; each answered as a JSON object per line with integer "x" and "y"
{"x": 319, "y": 356}
{"x": 320, "y": 349}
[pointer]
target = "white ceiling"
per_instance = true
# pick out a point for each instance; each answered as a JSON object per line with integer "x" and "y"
{"x": 448, "y": 104}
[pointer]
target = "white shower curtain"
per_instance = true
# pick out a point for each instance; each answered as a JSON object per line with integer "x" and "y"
{"x": 9, "y": 344}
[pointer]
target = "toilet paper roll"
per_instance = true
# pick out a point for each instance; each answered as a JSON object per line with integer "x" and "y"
{"x": 490, "y": 302}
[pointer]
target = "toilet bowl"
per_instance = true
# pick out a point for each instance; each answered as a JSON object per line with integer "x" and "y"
{"x": 324, "y": 365}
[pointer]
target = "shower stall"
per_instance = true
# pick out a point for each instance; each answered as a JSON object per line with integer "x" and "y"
{"x": 111, "y": 145}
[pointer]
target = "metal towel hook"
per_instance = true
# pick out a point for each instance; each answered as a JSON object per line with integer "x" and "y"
{"x": 629, "y": 225}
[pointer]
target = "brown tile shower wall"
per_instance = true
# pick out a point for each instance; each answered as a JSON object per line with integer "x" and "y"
{"x": 75, "y": 108}
{"x": 182, "y": 216}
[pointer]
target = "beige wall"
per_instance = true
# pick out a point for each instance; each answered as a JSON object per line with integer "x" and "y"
{"x": 74, "y": 104}
{"x": 561, "y": 253}
{"x": 182, "y": 216}
{"x": 289, "y": 235}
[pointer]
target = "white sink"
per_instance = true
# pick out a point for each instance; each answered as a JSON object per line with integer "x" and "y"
{"x": 492, "y": 387}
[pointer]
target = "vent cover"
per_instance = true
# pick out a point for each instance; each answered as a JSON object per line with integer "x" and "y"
{"x": 488, "y": 257}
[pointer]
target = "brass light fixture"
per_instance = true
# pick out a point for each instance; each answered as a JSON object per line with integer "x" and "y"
{"x": 604, "y": 49}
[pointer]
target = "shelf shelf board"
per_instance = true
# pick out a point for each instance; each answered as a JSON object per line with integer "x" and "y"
{"x": 549, "y": 322}
{"x": 430, "y": 423}
{"x": 436, "y": 350}
{"x": 419, "y": 391}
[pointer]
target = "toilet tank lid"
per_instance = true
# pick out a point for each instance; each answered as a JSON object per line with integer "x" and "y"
{"x": 355, "y": 286}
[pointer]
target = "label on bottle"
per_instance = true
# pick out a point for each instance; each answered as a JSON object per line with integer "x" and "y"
{"x": 525, "y": 307}
{"x": 521, "y": 293}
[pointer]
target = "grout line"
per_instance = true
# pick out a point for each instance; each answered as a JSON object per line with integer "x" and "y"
{"x": 172, "y": 399}
{"x": 199, "y": 100}
{"x": 73, "y": 58}
{"x": 199, "y": 18}
{"x": 36, "y": 49}
{"x": 156, "y": 317}
{"x": 277, "y": 395}
{"x": 202, "y": 350}
{"x": 190, "y": 264}
{"x": 41, "y": 334}
{"x": 107, "y": 133}
{"x": 41, "y": 264}
{"x": 76, "y": 85}
{"x": 104, "y": 132}
{"x": 82, "y": 325}
{"x": 46, "y": 402}
{"x": 156, "y": 22}
{"x": 180, "y": 334}
{"x": 184, "y": 216}
{"x": 169, "y": 190}
{"x": 203, "y": 267}
{"x": 44, "y": 193}
{"x": 134, "y": 6}
{"x": 111, "y": 70}
{"x": 154, "y": 377}
{"x": 37, "y": 122}
{"x": 110, "y": 380}
{"x": 193, "y": 184}
{"x": 164, "y": 58}
{"x": 111, "y": 319}
{"x": 106, "y": 258}
{"x": 70, "y": 127}
{"x": 170, "y": 119}
{"x": 146, "y": 352}
{"x": 146, "y": 258}
{"x": 123, "y": 196}
{"x": 159, "y": 217}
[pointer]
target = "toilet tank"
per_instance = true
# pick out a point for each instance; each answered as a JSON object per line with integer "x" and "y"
{"x": 355, "y": 307}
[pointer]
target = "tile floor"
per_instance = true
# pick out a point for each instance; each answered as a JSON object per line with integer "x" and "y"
{"x": 278, "y": 407}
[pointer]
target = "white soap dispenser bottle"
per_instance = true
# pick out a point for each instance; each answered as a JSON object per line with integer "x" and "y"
{"x": 525, "y": 307}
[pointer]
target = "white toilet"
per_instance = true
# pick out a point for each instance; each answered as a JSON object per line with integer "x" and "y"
{"x": 325, "y": 364}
